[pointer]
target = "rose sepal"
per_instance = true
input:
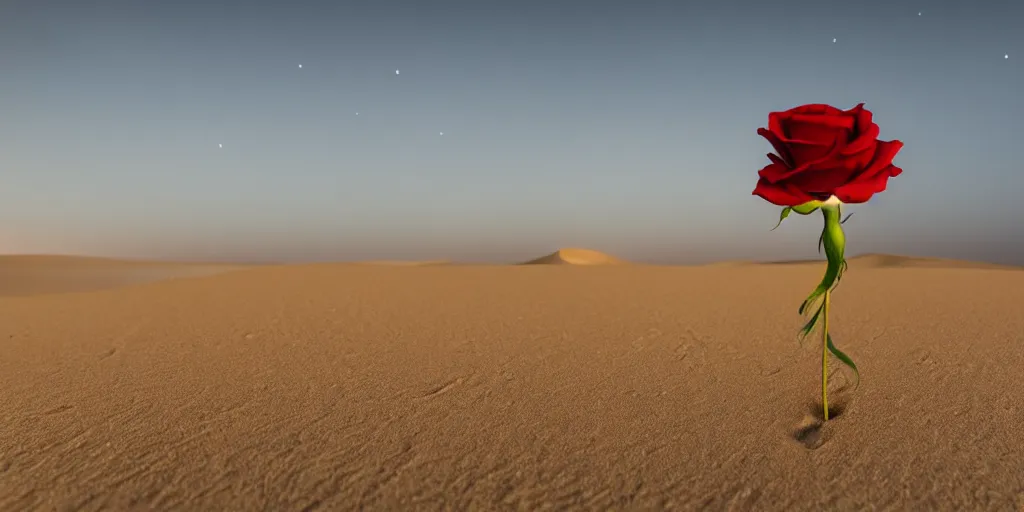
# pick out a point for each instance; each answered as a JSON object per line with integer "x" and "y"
{"x": 803, "y": 209}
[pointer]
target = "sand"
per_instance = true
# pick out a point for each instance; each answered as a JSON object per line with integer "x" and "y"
{"x": 451, "y": 387}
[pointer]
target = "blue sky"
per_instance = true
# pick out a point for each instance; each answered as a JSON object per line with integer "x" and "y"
{"x": 628, "y": 127}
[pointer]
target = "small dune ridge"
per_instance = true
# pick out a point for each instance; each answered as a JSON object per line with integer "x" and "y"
{"x": 576, "y": 256}
{"x": 403, "y": 263}
{"x": 876, "y": 261}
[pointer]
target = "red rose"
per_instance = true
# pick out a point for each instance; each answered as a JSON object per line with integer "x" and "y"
{"x": 824, "y": 152}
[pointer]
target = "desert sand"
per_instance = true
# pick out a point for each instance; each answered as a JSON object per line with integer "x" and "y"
{"x": 518, "y": 387}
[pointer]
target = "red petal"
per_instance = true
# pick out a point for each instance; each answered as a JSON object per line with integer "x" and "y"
{"x": 885, "y": 151}
{"x": 775, "y": 124}
{"x": 787, "y": 125}
{"x": 782, "y": 195}
{"x": 823, "y": 182}
{"x": 861, "y": 191}
{"x": 866, "y": 137}
{"x": 776, "y": 142}
{"x": 811, "y": 131}
{"x": 806, "y": 153}
{"x": 774, "y": 172}
{"x": 777, "y": 160}
{"x": 866, "y": 130}
{"x": 776, "y": 175}
{"x": 815, "y": 108}
{"x": 858, "y": 110}
{"x": 835, "y": 122}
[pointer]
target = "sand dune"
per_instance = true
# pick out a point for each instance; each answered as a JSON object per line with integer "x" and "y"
{"x": 898, "y": 261}
{"x": 449, "y": 387}
{"x": 573, "y": 256}
{"x": 404, "y": 263}
{"x": 43, "y": 274}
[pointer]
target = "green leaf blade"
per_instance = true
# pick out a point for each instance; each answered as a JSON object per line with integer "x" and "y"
{"x": 843, "y": 357}
{"x": 809, "y": 326}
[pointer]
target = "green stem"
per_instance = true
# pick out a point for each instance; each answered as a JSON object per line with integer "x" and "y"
{"x": 833, "y": 240}
{"x": 835, "y": 245}
{"x": 824, "y": 358}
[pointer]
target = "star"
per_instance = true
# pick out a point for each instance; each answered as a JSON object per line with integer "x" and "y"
{"x": 396, "y": 71}
{"x": 357, "y": 113}
{"x": 919, "y": 13}
{"x": 833, "y": 39}
{"x": 442, "y": 134}
{"x": 220, "y": 145}
{"x": 300, "y": 66}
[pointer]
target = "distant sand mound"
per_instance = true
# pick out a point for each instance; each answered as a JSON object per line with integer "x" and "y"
{"x": 897, "y": 261}
{"x": 875, "y": 260}
{"x": 403, "y": 263}
{"x": 893, "y": 261}
{"x": 573, "y": 256}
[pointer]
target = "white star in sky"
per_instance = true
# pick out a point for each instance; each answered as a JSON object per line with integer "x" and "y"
{"x": 833, "y": 39}
{"x": 357, "y": 113}
{"x": 300, "y": 66}
{"x": 396, "y": 71}
{"x": 919, "y": 13}
{"x": 442, "y": 133}
{"x": 220, "y": 145}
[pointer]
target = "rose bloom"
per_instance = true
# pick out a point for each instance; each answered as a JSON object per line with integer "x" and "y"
{"x": 824, "y": 152}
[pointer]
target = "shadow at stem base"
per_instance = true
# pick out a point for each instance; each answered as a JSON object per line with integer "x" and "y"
{"x": 836, "y": 408}
{"x": 812, "y": 433}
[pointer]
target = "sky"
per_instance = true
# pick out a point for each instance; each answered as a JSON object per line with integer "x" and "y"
{"x": 494, "y": 131}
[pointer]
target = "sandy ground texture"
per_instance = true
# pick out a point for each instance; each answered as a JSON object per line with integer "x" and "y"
{"x": 536, "y": 387}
